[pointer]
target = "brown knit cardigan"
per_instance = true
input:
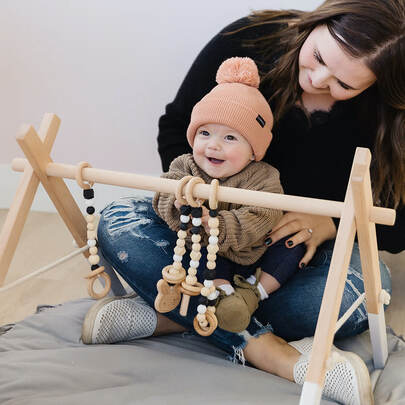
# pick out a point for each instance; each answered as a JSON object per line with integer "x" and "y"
{"x": 242, "y": 229}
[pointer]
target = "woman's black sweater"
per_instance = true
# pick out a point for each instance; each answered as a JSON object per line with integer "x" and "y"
{"x": 314, "y": 156}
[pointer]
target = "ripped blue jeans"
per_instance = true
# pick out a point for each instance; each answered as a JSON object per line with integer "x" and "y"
{"x": 138, "y": 244}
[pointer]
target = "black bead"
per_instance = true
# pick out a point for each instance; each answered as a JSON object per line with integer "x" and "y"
{"x": 185, "y": 210}
{"x": 213, "y": 302}
{"x": 213, "y": 213}
{"x": 195, "y": 230}
{"x": 88, "y": 194}
{"x": 94, "y": 267}
{"x": 209, "y": 274}
{"x": 183, "y": 226}
{"x": 196, "y": 212}
{"x": 203, "y": 301}
{"x": 90, "y": 210}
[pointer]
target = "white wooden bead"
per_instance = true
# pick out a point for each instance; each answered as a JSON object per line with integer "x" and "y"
{"x": 211, "y": 265}
{"x": 211, "y": 257}
{"x": 94, "y": 259}
{"x": 93, "y": 250}
{"x": 91, "y": 234}
{"x": 195, "y": 238}
{"x": 91, "y": 243}
{"x": 213, "y": 240}
{"x": 184, "y": 219}
{"x": 196, "y": 221}
{"x": 195, "y": 256}
{"x": 192, "y": 271}
{"x": 213, "y": 295}
{"x": 179, "y": 250}
{"x": 180, "y": 242}
{"x": 214, "y": 231}
{"x": 177, "y": 258}
{"x": 181, "y": 234}
{"x": 196, "y": 247}
{"x": 191, "y": 279}
{"x": 208, "y": 283}
{"x": 212, "y": 249}
{"x": 90, "y": 226}
{"x": 205, "y": 291}
{"x": 213, "y": 222}
{"x": 89, "y": 203}
{"x": 201, "y": 309}
{"x": 90, "y": 218}
{"x": 194, "y": 263}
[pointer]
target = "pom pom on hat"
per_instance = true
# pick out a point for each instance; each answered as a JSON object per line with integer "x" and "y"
{"x": 237, "y": 103}
{"x": 238, "y": 70}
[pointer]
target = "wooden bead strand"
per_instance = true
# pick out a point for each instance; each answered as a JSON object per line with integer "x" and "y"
{"x": 169, "y": 293}
{"x": 94, "y": 258}
{"x": 205, "y": 321}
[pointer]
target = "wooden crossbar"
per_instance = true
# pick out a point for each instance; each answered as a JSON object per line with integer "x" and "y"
{"x": 357, "y": 213}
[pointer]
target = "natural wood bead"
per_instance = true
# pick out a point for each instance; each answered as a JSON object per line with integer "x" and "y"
{"x": 213, "y": 222}
{"x": 212, "y": 289}
{"x": 94, "y": 259}
{"x": 196, "y": 247}
{"x": 180, "y": 242}
{"x": 212, "y": 257}
{"x": 214, "y": 231}
{"x": 211, "y": 308}
{"x": 91, "y": 234}
{"x": 177, "y": 265}
{"x": 90, "y": 218}
{"x": 192, "y": 271}
{"x": 195, "y": 238}
{"x": 201, "y": 317}
{"x": 181, "y": 234}
{"x": 179, "y": 250}
{"x": 195, "y": 255}
{"x": 93, "y": 250}
{"x": 203, "y": 324}
{"x": 212, "y": 249}
{"x": 205, "y": 291}
{"x": 211, "y": 265}
{"x": 90, "y": 226}
{"x": 191, "y": 279}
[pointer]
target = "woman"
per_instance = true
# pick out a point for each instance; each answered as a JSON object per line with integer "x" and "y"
{"x": 334, "y": 78}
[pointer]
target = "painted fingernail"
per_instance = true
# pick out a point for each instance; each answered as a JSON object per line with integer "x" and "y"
{"x": 302, "y": 265}
{"x": 268, "y": 241}
{"x": 290, "y": 243}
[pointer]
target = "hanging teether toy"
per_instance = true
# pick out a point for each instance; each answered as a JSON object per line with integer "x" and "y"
{"x": 206, "y": 321}
{"x": 94, "y": 259}
{"x": 169, "y": 293}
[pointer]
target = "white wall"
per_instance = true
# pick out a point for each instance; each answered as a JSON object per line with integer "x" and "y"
{"x": 107, "y": 68}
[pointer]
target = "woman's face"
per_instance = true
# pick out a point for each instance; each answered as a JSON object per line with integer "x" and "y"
{"x": 324, "y": 68}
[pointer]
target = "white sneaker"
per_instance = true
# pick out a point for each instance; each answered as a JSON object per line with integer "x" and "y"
{"x": 347, "y": 379}
{"x": 118, "y": 319}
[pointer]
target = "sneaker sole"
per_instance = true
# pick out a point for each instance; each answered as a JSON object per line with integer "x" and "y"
{"x": 365, "y": 390}
{"x": 90, "y": 318}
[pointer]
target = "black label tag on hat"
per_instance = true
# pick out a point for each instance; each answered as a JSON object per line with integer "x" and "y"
{"x": 261, "y": 121}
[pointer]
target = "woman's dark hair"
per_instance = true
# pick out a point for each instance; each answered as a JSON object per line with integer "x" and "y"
{"x": 373, "y": 30}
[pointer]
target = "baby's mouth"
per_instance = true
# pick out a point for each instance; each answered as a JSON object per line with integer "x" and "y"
{"x": 215, "y": 161}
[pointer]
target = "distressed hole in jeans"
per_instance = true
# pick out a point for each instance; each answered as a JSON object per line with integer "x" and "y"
{"x": 123, "y": 256}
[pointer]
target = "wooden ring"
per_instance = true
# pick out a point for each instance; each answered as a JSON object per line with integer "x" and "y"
{"x": 173, "y": 278}
{"x": 213, "y": 200}
{"x": 189, "y": 192}
{"x": 191, "y": 289}
{"x": 102, "y": 294}
{"x": 79, "y": 177}
{"x": 179, "y": 189}
{"x": 95, "y": 273}
{"x": 212, "y": 324}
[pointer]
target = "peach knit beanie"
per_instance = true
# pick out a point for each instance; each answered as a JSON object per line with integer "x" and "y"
{"x": 237, "y": 103}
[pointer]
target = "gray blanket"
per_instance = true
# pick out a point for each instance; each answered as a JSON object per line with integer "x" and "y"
{"x": 42, "y": 361}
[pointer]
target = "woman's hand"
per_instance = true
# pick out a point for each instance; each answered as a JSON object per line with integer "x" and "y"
{"x": 312, "y": 230}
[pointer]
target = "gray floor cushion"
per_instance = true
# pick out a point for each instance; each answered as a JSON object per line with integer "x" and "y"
{"x": 42, "y": 361}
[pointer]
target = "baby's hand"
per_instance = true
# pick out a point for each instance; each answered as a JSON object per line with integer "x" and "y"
{"x": 177, "y": 204}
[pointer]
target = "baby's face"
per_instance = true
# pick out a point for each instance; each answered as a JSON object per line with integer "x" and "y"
{"x": 221, "y": 151}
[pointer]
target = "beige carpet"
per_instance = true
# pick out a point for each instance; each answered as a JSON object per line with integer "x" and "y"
{"x": 45, "y": 239}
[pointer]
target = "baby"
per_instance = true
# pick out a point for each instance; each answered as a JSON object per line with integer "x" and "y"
{"x": 230, "y": 131}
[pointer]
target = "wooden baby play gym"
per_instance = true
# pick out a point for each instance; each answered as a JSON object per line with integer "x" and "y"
{"x": 357, "y": 215}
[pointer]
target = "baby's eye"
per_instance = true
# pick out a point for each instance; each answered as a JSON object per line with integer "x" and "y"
{"x": 204, "y": 132}
{"x": 230, "y": 137}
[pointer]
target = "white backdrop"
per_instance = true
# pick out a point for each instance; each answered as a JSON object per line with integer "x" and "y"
{"x": 107, "y": 68}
